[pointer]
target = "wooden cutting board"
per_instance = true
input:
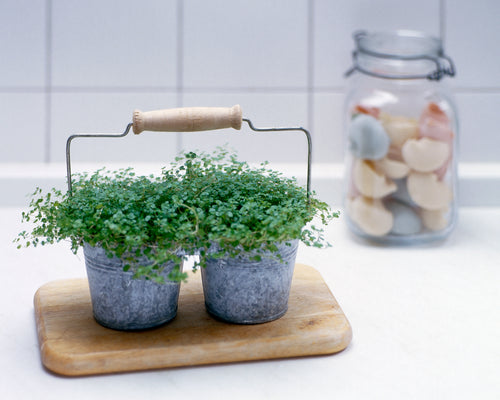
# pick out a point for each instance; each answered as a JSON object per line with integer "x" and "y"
{"x": 72, "y": 343}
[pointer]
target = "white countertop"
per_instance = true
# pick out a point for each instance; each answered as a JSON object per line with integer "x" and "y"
{"x": 425, "y": 320}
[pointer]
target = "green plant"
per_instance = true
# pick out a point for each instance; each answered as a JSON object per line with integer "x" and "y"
{"x": 243, "y": 208}
{"x": 125, "y": 214}
{"x": 201, "y": 200}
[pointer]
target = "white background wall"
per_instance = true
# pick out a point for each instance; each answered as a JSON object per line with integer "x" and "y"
{"x": 72, "y": 66}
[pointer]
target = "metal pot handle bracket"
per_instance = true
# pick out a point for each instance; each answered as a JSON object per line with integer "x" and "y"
{"x": 189, "y": 119}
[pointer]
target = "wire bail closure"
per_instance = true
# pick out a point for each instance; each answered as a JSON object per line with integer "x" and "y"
{"x": 444, "y": 64}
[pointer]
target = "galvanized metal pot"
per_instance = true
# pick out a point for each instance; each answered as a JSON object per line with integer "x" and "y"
{"x": 122, "y": 303}
{"x": 242, "y": 291}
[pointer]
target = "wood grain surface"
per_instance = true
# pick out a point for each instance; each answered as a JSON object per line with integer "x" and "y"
{"x": 72, "y": 343}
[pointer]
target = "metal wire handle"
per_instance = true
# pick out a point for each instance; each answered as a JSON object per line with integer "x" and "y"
{"x": 309, "y": 146}
{"x": 129, "y": 126}
{"x": 87, "y": 135}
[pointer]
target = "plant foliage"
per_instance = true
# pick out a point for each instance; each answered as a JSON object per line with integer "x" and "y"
{"x": 201, "y": 202}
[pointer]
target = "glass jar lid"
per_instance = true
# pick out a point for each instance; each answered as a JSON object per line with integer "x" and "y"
{"x": 401, "y": 54}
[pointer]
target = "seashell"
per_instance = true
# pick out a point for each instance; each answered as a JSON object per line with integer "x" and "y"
{"x": 427, "y": 191}
{"x": 392, "y": 168}
{"x": 369, "y": 182}
{"x": 435, "y": 124}
{"x": 401, "y": 194}
{"x": 399, "y": 128}
{"x": 435, "y": 220}
{"x": 367, "y": 138}
{"x": 373, "y": 111}
{"x": 352, "y": 190}
{"x": 436, "y": 113}
{"x": 425, "y": 155}
{"x": 370, "y": 215}
{"x": 435, "y": 130}
{"x": 394, "y": 153}
{"x": 406, "y": 220}
{"x": 443, "y": 169}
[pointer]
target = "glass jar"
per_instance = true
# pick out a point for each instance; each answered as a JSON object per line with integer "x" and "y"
{"x": 401, "y": 128}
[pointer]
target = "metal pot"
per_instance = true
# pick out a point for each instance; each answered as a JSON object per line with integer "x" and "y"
{"x": 243, "y": 291}
{"x": 123, "y": 303}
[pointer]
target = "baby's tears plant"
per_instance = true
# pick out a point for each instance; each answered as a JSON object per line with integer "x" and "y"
{"x": 200, "y": 201}
{"x": 125, "y": 214}
{"x": 244, "y": 208}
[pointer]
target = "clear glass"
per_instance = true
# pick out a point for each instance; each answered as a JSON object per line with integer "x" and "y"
{"x": 401, "y": 181}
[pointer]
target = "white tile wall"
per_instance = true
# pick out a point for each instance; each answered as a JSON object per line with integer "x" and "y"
{"x": 245, "y": 44}
{"x": 480, "y": 139}
{"x": 328, "y": 140}
{"x": 263, "y": 110}
{"x": 472, "y": 36}
{"x": 23, "y": 27}
{"x": 114, "y": 43}
{"x": 109, "y": 113}
{"x": 72, "y": 66}
{"x": 335, "y": 21}
{"x": 22, "y": 127}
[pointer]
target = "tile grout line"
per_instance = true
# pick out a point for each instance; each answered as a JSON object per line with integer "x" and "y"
{"x": 442, "y": 22}
{"x": 183, "y": 90}
{"x": 310, "y": 68}
{"x": 220, "y": 89}
{"x": 180, "y": 66}
{"x": 48, "y": 80}
{"x": 271, "y": 90}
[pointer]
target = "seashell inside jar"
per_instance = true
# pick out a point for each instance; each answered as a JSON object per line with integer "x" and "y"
{"x": 401, "y": 128}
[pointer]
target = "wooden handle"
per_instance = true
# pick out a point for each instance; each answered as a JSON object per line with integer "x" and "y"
{"x": 189, "y": 119}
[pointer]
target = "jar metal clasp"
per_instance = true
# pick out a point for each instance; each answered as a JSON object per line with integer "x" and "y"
{"x": 444, "y": 64}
